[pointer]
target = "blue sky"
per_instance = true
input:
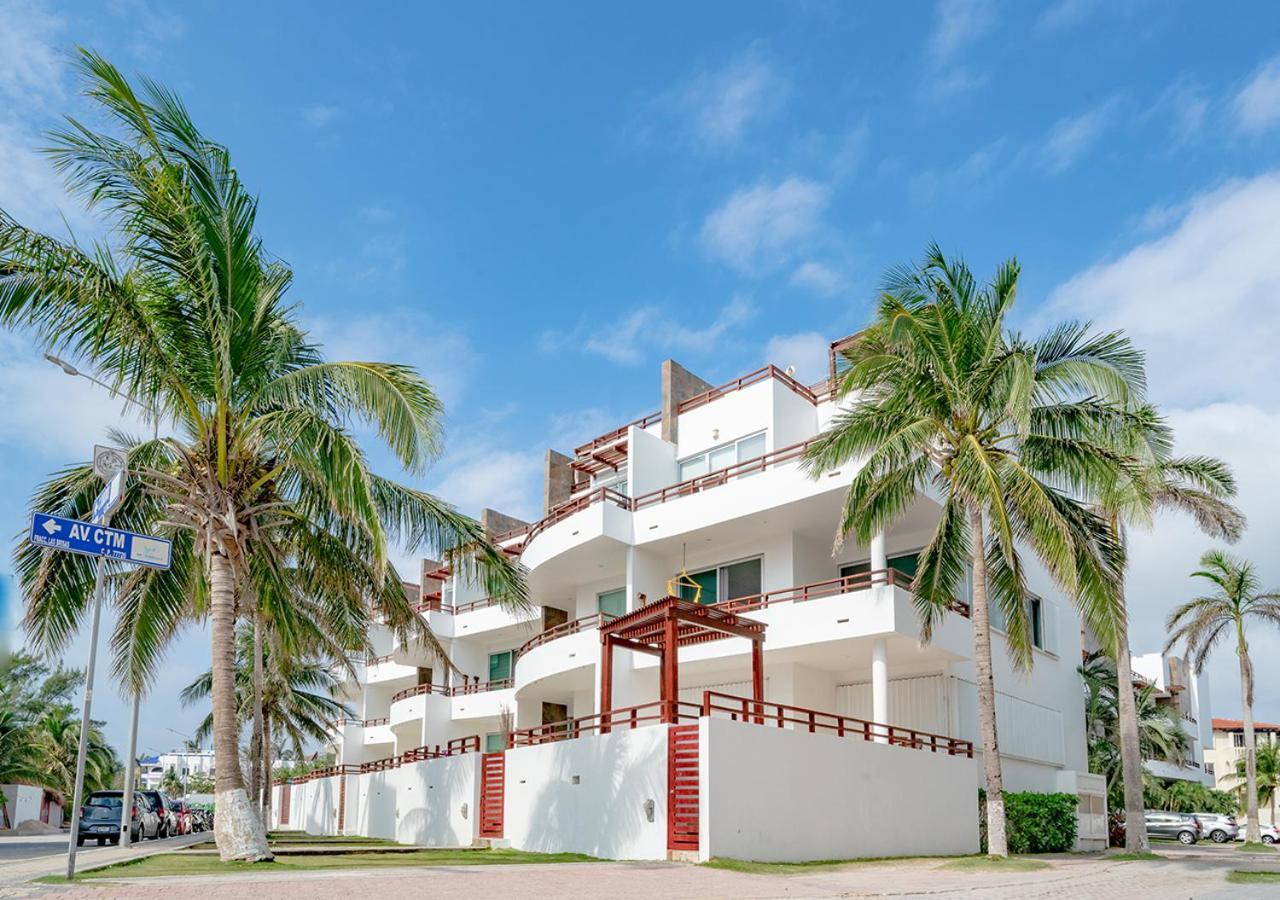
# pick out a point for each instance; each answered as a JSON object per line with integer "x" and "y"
{"x": 536, "y": 204}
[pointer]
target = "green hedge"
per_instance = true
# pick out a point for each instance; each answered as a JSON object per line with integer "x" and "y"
{"x": 1034, "y": 823}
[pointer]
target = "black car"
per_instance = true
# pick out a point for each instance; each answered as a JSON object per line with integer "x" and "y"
{"x": 158, "y": 801}
{"x": 100, "y": 819}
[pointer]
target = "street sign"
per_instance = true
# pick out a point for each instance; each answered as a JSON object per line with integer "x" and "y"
{"x": 109, "y": 499}
{"x": 107, "y": 461}
{"x": 97, "y": 540}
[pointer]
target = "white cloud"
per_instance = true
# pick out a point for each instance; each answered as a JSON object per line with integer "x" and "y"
{"x": 1257, "y": 106}
{"x": 1072, "y": 137}
{"x": 478, "y": 475}
{"x": 959, "y": 23}
{"x": 320, "y": 115}
{"x": 1201, "y": 301}
{"x": 651, "y": 329}
{"x": 761, "y": 228}
{"x": 1066, "y": 14}
{"x": 1205, "y": 293}
{"x": 45, "y": 411}
{"x": 975, "y": 170}
{"x": 817, "y": 277}
{"x": 716, "y": 107}
{"x": 1186, "y": 107}
{"x": 953, "y": 82}
{"x": 808, "y": 351}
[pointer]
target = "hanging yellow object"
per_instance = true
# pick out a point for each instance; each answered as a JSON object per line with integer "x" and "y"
{"x": 684, "y": 580}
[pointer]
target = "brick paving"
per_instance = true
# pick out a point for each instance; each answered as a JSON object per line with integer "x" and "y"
{"x": 1181, "y": 876}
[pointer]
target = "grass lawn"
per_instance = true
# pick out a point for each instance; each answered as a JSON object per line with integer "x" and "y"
{"x": 287, "y": 838}
{"x": 1241, "y": 877}
{"x": 177, "y": 864}
{"x": 1249, "y": 847}
{"x": 1135, "y": 857}
{"x": 995, "y": 864}
{"x": 825, "y": 865}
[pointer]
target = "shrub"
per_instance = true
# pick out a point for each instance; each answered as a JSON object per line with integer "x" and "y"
{"x": 1034, "y": 823}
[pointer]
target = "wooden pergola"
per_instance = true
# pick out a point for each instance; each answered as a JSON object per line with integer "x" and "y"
{"x": 661, "y": 628}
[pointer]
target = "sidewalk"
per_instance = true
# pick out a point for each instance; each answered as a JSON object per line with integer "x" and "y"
{"x": 13, "y": 874}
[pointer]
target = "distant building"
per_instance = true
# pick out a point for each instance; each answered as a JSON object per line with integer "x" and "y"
{"x": 1177, "y": 686}
{"x": 1228, "y": 746}
{"x": 185, "y": 762}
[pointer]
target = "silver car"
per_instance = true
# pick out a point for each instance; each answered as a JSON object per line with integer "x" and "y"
{"x": 1218, "y": 828}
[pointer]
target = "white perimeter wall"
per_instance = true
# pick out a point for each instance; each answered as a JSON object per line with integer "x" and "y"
{"x": 24, "y": 804}
{"x": 778, "y": 795}
{"x": 437, "y": 801}
{"x": 603, "y": 813}
{"x": 375, "y": 805}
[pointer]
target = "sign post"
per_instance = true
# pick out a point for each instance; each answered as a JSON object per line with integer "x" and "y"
{"x": 97, "y": 539}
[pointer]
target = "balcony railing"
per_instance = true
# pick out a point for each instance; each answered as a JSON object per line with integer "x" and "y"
{"x": 380, "y": 720}
{"x": 743, "y": 709}
{"x": 379, "y": 660}
{"x": 830, "y": 588}
{"x": 721, "y": 476}
{"x": 459, "y": 690}
{"x": 595, "y": 620}
{"x": 628, "y": 717}
{"x": 456, "y": 746}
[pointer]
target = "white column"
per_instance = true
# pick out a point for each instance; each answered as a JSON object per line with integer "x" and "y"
{"x": 879, "y": 555}
{"x": 880, "y": 685}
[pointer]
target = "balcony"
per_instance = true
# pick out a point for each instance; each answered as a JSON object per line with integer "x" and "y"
{"x": 559, "y": 651}
{"x": 382, "y": 669}
{"x": 471, "y": 700}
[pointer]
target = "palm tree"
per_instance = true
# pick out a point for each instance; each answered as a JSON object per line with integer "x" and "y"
{"x": 170, "y": 783}
{"x": 55, "y": 742}
{"x": 297, "y": 697}
{"x": 1151, "y": 481}
{"x": 188, "y": 316}
{"x": 1005, "y": 432}
{"x": 19, "y": 763}
{"x": 1160, "y": 732}
{"x": 1201, "y": 623}
{"x": 1267, "y": 763}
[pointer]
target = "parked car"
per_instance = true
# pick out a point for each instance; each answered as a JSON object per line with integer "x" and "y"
{"x": 1182, "y": 827}
{"x": 184, "y": 816}
{"x": 160, "y": 805}
{"x": 1218, "y": 828}
{"x": 1270, "y": 835}
{"x": 100, "y": 819}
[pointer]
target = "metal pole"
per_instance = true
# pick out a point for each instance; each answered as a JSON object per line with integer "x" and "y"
{"x": 84, "y": 717}
{"x": 130, "y": 773}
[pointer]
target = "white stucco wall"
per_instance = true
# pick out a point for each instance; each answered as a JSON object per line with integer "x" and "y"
{"x": 23, "y": 803}
{"x": 436, "y": 801}
{"x": 376, "y": 805}
{"x": 778, "y": 795}
{"x": 603, "y": 812}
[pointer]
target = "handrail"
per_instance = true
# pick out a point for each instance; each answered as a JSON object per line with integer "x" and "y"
{"x": 721, "y": 476}
{"x": 378, "y": 720}
{"x": 628, "y": 717}
{"x": 759, "y": 375}
{"x": 418, "y": 689}
{"x": 459, "y": 690}
{"x": 763, "y": 712}
{"x": 569, "y": 507}
{"x": 643, "y": 422}
{"x": 379, "y": 660}
{"x": 380, "y": 765}
{"x": 562, "y": 630}
{"x": 816, "y": 590}
{"x": 469, "y": 744}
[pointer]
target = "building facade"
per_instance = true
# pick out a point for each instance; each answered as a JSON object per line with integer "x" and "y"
{"x": 705, "y": 500}
{"x": 1227, "y": 750}
{"x": 1176, "y": 685}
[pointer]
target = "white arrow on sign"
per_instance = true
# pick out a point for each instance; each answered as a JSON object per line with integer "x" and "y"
{"x": 50, "y": 526}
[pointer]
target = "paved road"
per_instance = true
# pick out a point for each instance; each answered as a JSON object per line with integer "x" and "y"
{"x": 13, "y": 849}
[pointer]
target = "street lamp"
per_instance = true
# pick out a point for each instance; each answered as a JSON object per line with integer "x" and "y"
{"x": 126, "y": 831}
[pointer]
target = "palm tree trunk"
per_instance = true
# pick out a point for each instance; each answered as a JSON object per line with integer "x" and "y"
{"x": 1135, "y": 822}
{"x": 1252, "y": 834}
{"x": 255, "y": 767}
{"x": 997, "y": 842}
{"x": 266, "y": 766}
{"x": 237, "y": 829}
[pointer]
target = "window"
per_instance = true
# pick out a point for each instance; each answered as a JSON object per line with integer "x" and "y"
{"x": 906, "y": 563}
{"x": 1237, "y": 739}
{"x": 495, "y": 741}
{"x": 613, "y": 603}
{"x": 722, "y": 457}
{"x": 1036, "y": 613}
{"x": 727, "y": 582}
{"x": 611, "y": 479}
{"x": 500, "y": 665}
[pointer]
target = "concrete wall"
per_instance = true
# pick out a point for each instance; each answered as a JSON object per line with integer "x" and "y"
{"x": 557, "y": 479}
{"x": 437, "y": 801}
{"x": 588, "y": 795}
{"x": 678, "y": 385}
{"x": 23, "y": 802}
{"x": 827, "y": 797}
{"x": 376, "y": 806}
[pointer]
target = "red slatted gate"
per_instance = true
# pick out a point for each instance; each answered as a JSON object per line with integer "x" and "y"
{"x": 682, "y": 787}
{"x": 493, "y": 789}
{"x": 342, "y": 803}
{"x": 284, "y": 804}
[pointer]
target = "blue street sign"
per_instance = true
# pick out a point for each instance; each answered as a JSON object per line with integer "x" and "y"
{"x": 108, "y": 500}
{"x": 96, "y": 540}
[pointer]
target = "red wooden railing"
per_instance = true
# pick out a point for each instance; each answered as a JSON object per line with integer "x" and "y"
{"x": 419, "y": 689}
{"x": 721, "y": 476}
{"x": 627, "y": 717}
{"x": 458, "y": 690}
{"x": 379, "y": 660}
{"x": 469, "y": 744}
{"x": 595, "y": 620}
{"x": 747, "y": 380}
{"x": 818, "y": 589}
{"x": 643, "y": 422}
{"x": 744, "y": 709}
{"x": 380, "y": 720}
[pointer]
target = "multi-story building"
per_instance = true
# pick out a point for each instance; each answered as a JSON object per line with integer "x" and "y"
{"x": 184, "y": 763}
{"x": 1185, "y": 692}
{"x": 1227, "y": 749}
{"x": 705, "y": 500}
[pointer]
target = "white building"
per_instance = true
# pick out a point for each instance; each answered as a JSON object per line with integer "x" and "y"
{"x": 704, "y": 499}
{"x": 1227, "y": 748}
{"x": 1176, "y": 685}
{"x": 184, "y": 762}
